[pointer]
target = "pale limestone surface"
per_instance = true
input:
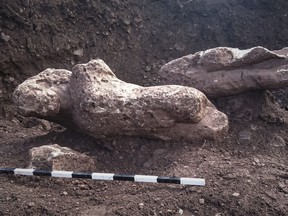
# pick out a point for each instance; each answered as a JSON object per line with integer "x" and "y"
{"x": 55, "y": 157}
{"x": 97, "y": 103}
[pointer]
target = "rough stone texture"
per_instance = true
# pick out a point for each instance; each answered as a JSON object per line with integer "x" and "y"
{"x": 46, "y": 96}
{"x": 103, "y": 106}
{"x": 55, "y": 157}
{"x": 226, "y": 71}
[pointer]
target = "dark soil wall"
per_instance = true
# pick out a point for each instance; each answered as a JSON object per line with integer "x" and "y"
{"x": 133, "y": 37}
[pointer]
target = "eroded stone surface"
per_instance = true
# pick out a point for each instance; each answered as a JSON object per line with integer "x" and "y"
{"x": 46, "y": 96}
{"x": 226, "y": 71}
{"x": 101, "y": 105}
{"x": 55, "y": 157}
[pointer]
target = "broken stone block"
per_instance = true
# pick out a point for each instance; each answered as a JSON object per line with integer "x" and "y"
{"x": 227, "y": 71}
{"x": 55, "y": 157}
{"x": 93, "y": 100}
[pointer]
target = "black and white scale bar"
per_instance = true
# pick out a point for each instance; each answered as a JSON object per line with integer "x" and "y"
{"x": 105, "y": 176}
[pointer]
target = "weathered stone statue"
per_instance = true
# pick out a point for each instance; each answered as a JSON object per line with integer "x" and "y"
{"x": 94, "y": 101}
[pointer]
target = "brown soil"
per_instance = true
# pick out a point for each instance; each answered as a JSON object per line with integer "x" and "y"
{"x": 246, "y": 174}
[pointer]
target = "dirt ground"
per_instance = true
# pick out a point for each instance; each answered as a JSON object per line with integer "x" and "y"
{"x": 246, "y": 173}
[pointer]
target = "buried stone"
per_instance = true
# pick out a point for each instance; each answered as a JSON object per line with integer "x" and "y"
{"x": 224, "y": 71}
{"x": 94, "y": 101}
{"x": 55, "y": 157}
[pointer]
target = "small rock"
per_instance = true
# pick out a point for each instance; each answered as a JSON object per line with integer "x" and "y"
{"x": 78, "y": 52}
{"x": 236, "y": 194}
{"x": 141, "y": 205}
{"x": 255, "y": 127}
{"x": 157, "y": 199}
{"x": 202, "y": 201}
{"x": 31, "y": 204}
{"x": 283, "y": 187}
{"x": 46, "y": 125}
{"x": 138, "y": 19}
{"x": 83, "y": 187}
{"x": 126, "y": 21}
{"x": 64, "y": 193}
{"x": 4, "y": 37}
{"x": 277, "y": 141}
{"x": 256, "y": 160}
{"x": 244, "y": 135}
{"x": 180, "y": 211}
{"x": 15, "y": 121}
{"x": 148, "y": 68}
{"x": 9, "y": 79}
